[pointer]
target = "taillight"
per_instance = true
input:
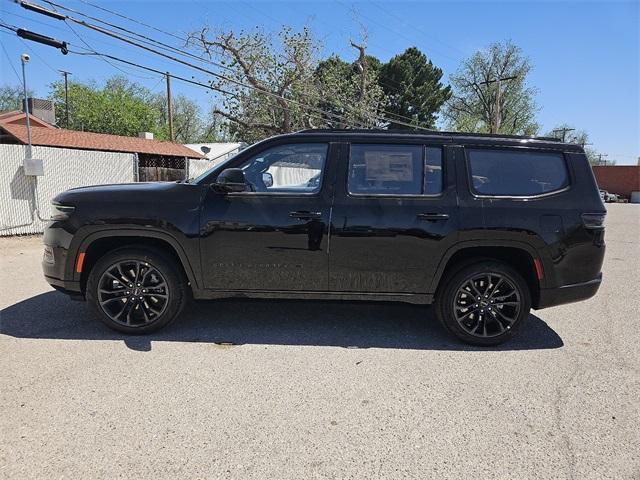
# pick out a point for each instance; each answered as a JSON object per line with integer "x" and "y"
{"x": 593, "y": 220}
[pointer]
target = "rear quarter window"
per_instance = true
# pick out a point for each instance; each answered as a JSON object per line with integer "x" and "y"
{"x": 516, "y": 173}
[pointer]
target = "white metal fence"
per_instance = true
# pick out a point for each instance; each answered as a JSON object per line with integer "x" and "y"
{"x": 63, "y": 169}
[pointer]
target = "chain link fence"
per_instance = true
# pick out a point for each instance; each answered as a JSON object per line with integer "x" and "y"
{"x": 25, "y": 200}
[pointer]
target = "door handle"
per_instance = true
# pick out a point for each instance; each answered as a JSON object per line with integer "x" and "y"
{"x": 433, "y": 217}
{"x": 305, "y": 215}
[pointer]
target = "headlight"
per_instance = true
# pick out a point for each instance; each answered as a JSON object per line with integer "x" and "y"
{"x": 61, "y": 212}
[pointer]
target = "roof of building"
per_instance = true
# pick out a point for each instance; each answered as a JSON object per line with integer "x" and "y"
{"x": 42, "y": 133}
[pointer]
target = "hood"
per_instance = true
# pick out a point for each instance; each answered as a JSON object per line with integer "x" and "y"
{"x": 120, "y": 192}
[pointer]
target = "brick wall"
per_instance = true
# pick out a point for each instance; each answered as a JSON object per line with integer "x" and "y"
{"x": 620, "y": 179}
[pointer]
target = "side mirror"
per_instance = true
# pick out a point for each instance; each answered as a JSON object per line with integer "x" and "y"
{"x": 267, "y": 179}
{"x": 231, "y": 180}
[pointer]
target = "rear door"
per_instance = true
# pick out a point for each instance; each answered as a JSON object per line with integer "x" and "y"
{"x": 393, "y": 217}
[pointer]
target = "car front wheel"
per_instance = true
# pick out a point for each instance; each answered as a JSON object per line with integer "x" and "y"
{"x": 484, "y": 304}
{"x": 135, "y": 290}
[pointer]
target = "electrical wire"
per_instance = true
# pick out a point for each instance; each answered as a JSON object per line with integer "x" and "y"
{"x": 143, "y": 38}
{"x": 46, "y": 64}
{"x": 117, "y": 36}
{"x": 10, "y": 62}
{"x": 218, "y": 75}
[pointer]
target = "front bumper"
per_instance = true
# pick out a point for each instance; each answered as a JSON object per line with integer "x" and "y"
{"x": 54, "y": 267}
{"x": 550, "y": 297}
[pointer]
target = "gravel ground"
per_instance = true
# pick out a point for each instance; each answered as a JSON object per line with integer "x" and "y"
{"x": 284, "y": 389}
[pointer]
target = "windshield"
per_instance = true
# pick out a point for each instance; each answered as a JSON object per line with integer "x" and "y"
{"x": 197, "y": 166}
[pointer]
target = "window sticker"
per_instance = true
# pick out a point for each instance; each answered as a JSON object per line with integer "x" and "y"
{"x": 389, "y": 166}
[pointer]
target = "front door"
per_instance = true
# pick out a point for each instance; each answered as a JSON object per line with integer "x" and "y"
{"x": 273, "y": 236}
{"x": 394, "y": 216}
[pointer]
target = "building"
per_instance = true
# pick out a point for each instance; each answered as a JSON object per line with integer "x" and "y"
{"x": 618, "y": 179}
{"x": 157, "y": 160}
{"x": 217, "y": 152}
{"x": 73, "y": 159}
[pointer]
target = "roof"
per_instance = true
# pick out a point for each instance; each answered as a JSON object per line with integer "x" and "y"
{"x": 426, "y": 132}
{"x": 453, "y": 138}
{"x": 45, "y": 134}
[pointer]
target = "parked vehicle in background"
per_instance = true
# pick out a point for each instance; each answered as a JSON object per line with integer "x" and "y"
{"x": 484, "y": 227}
{"x": 608, "y": 197}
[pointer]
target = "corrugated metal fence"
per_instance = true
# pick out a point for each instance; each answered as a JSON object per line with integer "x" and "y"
{"x": 63, "y": 169}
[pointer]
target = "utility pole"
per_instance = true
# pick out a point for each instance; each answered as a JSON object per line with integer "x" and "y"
{"x": 169, "y": 109}
{"x": 600, "y": 155}
{"x": 495, "y": 125}
{"x": 564, "y": 132}
{"x": 66, "y": 97}
{"x": 24, "y": 58}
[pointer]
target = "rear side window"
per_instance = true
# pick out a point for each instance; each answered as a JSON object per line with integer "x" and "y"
{"x": 378, "y": 169}
{"x": 516, "y": 173}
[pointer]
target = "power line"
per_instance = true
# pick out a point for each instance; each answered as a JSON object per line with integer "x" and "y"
{"x": 215, "y": 74}
{"x": 564, "y": 131}
{"x": 142, "y": 38}
{"x": 400, "y": 34}
{"x": 105, "y": 60}
{"x": 38, "y": 55}
{"x": 178, "y": 77}
{"x": 10, "y": 62}
{"x": 393, "y": 14}
{"x": 147, "y": 40}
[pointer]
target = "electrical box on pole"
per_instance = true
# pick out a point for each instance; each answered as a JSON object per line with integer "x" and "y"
{"x": 33, "y": 166}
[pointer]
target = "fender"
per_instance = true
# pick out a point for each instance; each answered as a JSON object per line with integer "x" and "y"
{"x": 81, "y": 245}
{"x": 527, "y": 247}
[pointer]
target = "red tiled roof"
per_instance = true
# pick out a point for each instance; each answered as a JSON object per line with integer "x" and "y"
{"x": 47, "y": 135}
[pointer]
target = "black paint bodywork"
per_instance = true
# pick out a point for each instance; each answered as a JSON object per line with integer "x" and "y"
{"x": 349, "y": 246}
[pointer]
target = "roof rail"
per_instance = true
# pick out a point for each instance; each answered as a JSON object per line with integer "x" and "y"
{"x": 426, "y": 132}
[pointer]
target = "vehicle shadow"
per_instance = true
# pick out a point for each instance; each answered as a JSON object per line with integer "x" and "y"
{"x": 348, "y": 324}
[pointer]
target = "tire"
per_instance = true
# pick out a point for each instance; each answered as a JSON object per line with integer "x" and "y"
{"x": 151, "y": 303}
{"x": 476, "y": 319}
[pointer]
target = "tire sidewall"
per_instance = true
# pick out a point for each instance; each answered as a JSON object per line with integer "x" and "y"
{"x": 166, "y": 266}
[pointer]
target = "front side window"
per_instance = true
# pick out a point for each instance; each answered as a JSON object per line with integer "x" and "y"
{"x": 293, "y": 168}
{"x": 377, "y": 169}
{"x": 516, "y": 173}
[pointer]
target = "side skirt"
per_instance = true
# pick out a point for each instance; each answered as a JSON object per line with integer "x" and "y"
{"x": 416, "y": 298}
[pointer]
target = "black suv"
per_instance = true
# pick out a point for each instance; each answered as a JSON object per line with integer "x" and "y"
{"x": 485, "y": 227}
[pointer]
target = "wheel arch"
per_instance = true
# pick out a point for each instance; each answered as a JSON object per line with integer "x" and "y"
{"x": 97, "y": 244}
{"x": 518, "y": 255}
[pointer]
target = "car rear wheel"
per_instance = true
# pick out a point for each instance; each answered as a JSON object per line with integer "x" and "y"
{"x": 484, "y": 304}
{"x": 135, "y": 290}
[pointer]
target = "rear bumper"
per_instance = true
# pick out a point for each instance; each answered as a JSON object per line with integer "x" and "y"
{"x": 550, "y": 297}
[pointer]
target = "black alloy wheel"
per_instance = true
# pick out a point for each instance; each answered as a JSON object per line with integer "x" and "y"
{"x": 485, "y": 303}
{"x": 136, "y": 290}
{"x": 133, "y": 293}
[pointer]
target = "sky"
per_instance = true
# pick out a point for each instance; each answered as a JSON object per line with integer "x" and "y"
{"x": 585, "y": 54}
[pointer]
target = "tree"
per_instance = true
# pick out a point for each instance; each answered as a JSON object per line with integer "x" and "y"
{"x": 188, "y": 124}
{"x": 413, "y": 89}
{"x": 120, "y": 107}
{"x": 275, "y": 87}
{"x": 349, "y": 92}
{"x": 11, "y": 97}
{"x": 569, "y": 134}
{"x": 478, "y": 95}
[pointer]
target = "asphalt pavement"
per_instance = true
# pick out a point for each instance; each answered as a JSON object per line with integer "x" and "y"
{"x": 252, "y": 389}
